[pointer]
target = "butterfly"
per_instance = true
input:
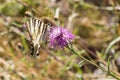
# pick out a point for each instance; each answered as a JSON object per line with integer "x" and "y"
{"x": 37, "y": 32}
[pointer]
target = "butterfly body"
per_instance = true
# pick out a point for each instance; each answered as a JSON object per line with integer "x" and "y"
{"x": 37, "y": 31}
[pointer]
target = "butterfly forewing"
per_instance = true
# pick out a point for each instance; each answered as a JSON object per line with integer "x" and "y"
{"x": 37, "y": 30}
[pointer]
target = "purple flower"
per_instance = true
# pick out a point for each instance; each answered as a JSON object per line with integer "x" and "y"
{"x": 60, "y": 37}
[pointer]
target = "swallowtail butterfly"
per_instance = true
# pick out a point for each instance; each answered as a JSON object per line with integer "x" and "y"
{"x": 37, "y": 31}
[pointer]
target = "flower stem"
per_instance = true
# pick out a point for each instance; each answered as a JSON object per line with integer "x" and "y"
{"x": 86, "y": 59}
{"x": 91, "y": 62}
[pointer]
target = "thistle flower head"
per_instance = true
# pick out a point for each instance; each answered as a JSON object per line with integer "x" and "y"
{"x": 60, "y": 37}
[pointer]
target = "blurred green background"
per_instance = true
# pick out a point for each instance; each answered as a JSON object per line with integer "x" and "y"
{"x": 95, "y": 23}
